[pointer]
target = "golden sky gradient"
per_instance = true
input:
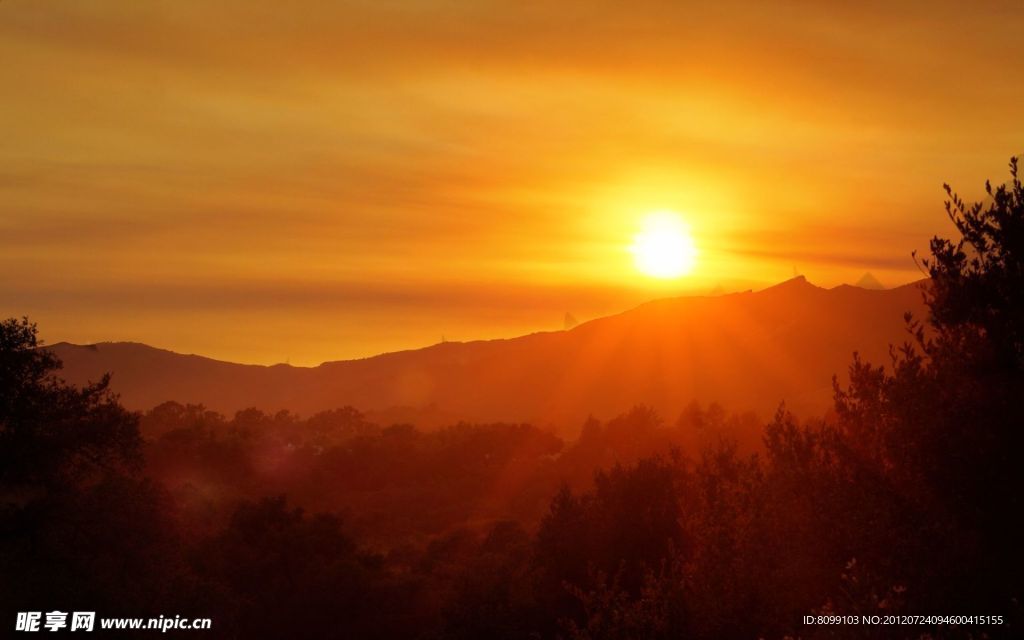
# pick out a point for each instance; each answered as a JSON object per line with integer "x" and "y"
{"x": 261, "y": 181}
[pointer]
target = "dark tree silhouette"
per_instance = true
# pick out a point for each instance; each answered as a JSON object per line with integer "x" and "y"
{"x": 976, "y": 298}
{"x": 53, "y": 435}
{"x": 944, "y": 426}
{"x": 78, "y": 526}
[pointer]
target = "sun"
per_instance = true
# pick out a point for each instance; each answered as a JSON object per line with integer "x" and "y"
{"x": 664, "y": 247}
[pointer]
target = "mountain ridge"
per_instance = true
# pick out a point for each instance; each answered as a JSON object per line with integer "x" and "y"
{"x": 748, "y": 350}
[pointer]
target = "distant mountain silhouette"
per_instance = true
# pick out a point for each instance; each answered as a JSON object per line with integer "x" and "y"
{"x": 748, "y": 350}
{"x": 869, "y": 281}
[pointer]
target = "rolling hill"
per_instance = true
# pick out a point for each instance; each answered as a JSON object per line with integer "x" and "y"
{"x": 748, "y": 351}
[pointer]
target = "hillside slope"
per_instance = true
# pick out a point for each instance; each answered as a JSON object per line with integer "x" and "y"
{"x": 748, "y": 350}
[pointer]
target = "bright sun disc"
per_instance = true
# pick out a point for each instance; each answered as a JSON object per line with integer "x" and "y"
{"x": 664, "y": 247}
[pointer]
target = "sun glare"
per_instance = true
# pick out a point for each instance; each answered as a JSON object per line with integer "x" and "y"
{"x": 664, "y": 247}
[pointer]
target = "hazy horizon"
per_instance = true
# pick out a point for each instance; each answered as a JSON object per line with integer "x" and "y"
{"x": 456, "y": 339}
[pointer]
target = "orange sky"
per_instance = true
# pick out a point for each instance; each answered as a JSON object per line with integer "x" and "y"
{"x": 261, "y": 181}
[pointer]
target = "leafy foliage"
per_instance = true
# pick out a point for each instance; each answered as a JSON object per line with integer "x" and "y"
{"x": 53, "y": 436}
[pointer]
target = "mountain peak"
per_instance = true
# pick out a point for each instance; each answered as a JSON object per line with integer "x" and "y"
{"x": 869, "y": 281}
{"x": 796, "y": 283}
